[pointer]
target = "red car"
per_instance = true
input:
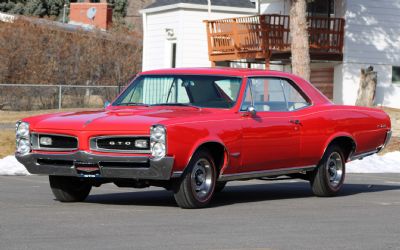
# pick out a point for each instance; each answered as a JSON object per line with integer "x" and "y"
{"x": 193, "y": 130}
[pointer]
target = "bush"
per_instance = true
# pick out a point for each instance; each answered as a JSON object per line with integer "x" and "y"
{"x": 41, "y": 52}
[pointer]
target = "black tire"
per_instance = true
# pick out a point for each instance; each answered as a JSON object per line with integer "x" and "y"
{"x": 325, "y": 181}
{"x": 189, "y": 191}
{"x": 69, "y": 189}
{"x": 220, "y": 186}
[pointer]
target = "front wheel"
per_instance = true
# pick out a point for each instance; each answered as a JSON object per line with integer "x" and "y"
{"x": 328, "y": 178}
{"x": 197, "y": 185}
{"x": 69, "y": 189}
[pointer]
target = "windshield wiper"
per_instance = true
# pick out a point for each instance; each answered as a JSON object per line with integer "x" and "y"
{"x": 176, "y": 104}
{"x": 133, "y": 104}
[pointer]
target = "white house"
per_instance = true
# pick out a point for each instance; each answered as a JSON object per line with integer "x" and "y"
{"x": 345, "y": 35}
{"x": 174, "y": 34}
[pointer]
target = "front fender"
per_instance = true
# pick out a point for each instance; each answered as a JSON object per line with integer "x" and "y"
{"x": 183, "y": 142}
{"x": 204, "y": 141}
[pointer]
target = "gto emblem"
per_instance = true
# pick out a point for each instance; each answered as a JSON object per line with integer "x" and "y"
{"x": 120, "y": 143}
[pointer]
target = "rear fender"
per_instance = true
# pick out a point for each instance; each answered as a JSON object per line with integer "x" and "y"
{"x": 337, "y": 136}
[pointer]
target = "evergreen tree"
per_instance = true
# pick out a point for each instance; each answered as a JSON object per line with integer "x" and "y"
{"x": 35, "y": 8}
{"x": 55, "y": 7}
{"x": 119, "y": 9}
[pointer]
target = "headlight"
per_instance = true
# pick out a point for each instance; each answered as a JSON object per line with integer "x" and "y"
{"x": 157, "y": 133}
{"x": 23, "y": 138}
{"x": 22, "y": 129}
{"x": 158, "y": 141}
{"x": 23, "y": 146}
{"x": 158, "y": 150}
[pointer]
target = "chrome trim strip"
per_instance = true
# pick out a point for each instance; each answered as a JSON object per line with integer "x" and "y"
{"x": 264, "y": 173}
{"x": 236, "y": 154}
{"x": 36, "y": 145}
{"x": 176, "y": 174}
{"x": 93, "y": 144}
{"x": 362, "y": 155}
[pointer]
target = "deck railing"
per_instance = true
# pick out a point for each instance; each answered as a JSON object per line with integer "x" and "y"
{"x": 258, "y": 37}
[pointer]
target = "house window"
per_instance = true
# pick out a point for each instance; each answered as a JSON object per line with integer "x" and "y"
{"x": 321, "y": 8}
{"x": 396, "y": 74}
{"x": 173, "y": 55}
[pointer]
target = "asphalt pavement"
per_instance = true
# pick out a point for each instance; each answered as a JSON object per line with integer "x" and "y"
{"x": 246, "y": 215}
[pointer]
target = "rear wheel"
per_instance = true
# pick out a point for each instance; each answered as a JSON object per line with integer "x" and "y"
{"x": 328, "y": 178}
{"x": 69, "y": 189}
{"x": 197, "y": 185}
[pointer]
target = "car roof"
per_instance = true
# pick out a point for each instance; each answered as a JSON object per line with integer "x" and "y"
{"x": 240, "y": 72}
{"x": 315, "y": 95}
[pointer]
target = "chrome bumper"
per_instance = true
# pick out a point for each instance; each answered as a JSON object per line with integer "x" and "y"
{"x": 388, "y": 137}
{"x": 387, "y": 140}
{"x": 109, "y": 166}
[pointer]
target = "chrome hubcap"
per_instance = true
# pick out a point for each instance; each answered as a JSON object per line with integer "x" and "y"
{"x": 201, "y": 179}
{"x": 334, "y": 167}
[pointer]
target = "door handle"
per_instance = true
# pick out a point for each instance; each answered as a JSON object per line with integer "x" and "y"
{"x": 297, "y": 122}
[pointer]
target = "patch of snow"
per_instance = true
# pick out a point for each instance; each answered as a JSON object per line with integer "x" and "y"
{"x": 388, "y": 163}
{"x": 10, "y": 166}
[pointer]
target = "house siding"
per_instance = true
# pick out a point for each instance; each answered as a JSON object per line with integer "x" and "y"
{"x": 155, "y": 41}
{"x": 191, "y": 37}
{"x": 372, "y": 32}
{"x": 372, "y": 38}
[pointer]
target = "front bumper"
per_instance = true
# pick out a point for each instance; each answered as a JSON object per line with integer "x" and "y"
{"x": 136, "y": 167}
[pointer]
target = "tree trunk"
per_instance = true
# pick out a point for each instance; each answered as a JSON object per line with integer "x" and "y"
{"x": 366, "y": 92}
{"x": 299, "y": 34}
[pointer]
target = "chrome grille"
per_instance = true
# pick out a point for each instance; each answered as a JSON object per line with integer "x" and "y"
{"x": 119, "y": 144}
{"x": 58, "y": 142}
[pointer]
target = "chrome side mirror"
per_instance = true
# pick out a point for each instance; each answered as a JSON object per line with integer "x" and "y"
{"x": 106, "y": 104}
{"x": 251, "y": 110}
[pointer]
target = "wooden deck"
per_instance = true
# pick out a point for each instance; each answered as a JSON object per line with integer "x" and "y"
{"x": 267, "y": 37}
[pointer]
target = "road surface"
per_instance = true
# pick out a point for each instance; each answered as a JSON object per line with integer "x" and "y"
{"x": 246, "y": 215}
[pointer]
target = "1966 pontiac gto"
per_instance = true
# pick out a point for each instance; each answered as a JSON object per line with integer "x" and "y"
{"x": 193, "y": 130}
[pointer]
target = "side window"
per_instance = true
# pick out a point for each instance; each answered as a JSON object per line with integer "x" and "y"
{"x": 294, "y": 99}
{"x": 247, "y": 99}
{"x": 230, "y": 88}
{"x": 273, "y": 94}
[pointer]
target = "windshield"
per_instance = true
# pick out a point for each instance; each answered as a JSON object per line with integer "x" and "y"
{"x": 182, "y": 90}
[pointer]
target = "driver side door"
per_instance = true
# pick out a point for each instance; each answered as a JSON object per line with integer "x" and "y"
{"x": 271, "y": 135}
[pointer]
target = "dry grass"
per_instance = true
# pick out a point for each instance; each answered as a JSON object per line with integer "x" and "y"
{"x": 7, "y": 145}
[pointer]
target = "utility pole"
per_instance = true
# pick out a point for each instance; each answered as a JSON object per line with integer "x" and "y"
{"x": 64, "y": 13}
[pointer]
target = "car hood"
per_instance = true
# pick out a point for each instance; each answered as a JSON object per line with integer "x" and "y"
{"x": 114, "y": 119}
